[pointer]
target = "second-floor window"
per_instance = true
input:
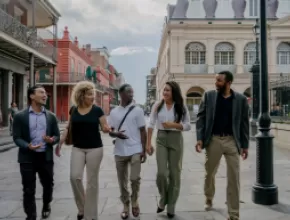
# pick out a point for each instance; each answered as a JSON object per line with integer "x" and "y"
{"x": 72, "y": 65}
{"x": 283, "y": 54}
{"x": 195, "y": 53}
{"x": 4, "y": 7}
{"x": 224, "y": 54}
{"x": 253, "y": 8}
{"x": 250, "y": 53}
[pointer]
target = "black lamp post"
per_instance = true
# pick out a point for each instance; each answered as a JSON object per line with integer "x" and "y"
{"x": 264, "y": 191}
{"x": 255, "y": 70}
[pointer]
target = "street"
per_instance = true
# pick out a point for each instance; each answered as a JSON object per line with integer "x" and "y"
{"x": 190, "y": 203}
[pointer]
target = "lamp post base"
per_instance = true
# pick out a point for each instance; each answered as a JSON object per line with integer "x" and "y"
{"x": 264, "y": 191}
{"x": 265, "y": 195}
{"x": 253, "y": 129}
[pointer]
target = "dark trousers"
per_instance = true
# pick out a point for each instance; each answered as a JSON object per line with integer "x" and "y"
{"x": 28, "y": 173}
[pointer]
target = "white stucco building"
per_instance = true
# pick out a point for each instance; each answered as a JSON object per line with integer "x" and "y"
{"x": 192, "y": 50}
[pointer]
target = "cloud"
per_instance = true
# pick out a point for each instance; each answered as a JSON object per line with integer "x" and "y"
{"x": 122, "y": 51}
{"x": 104, "y": 17}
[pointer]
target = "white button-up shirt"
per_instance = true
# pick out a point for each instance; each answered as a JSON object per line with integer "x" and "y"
{"x": 131, "y": 126}
{"x": 165, "y": 115}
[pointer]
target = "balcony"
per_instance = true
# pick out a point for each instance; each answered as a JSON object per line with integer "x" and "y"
{"x": 18, "y": 41}
{"x": 195, "y": 69}
{"x": 231, "y": 68}
{"x": 283, "y": 68}
{"x": 46, "y": 77}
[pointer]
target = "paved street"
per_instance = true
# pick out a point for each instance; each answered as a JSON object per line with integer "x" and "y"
{"x": 190, "y": 204}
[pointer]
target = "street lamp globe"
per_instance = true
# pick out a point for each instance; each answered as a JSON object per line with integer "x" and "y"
{"x": 256, "y": 28}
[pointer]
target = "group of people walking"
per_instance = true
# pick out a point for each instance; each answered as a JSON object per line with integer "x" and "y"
{"x": 222, "y": 128}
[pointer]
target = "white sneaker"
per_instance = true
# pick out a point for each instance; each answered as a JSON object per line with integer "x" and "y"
{"x": 208, "y": 205}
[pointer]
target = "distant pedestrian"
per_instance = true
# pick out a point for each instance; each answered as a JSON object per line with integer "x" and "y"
{"x": 35, "y": 131}
{"x": 171, "y": 117}
{"x": 129, "y": 129}
{"x": 85, "y": 120}
{"x": 12, "y": 112}
{"x": 222, "y": 128}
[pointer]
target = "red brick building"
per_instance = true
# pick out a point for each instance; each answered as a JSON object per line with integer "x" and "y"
{"x": 73, "y": 62}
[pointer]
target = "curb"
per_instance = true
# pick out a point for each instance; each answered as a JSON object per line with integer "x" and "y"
{"x": 6, "y": 146}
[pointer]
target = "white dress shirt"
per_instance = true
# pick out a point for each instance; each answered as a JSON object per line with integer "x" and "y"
{"x": 165, "y": 115}
{"x": 131, "y": 126}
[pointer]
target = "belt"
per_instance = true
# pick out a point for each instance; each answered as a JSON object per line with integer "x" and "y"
{"x": 167, "y": 131}
{"x": 223, "y": 135}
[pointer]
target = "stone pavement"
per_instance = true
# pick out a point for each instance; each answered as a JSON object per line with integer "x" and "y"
{"x": 190, "y": 203}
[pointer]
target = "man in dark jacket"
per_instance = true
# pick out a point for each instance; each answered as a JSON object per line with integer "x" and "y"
{"x": 35, "y": 131}
{"x": 222, "y": 128}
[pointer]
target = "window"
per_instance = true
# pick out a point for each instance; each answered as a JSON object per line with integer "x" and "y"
{"x": 195, "y": 53}
{"x": 253, "y": 7}
{"x": 4, "y": 7}
{"x": 283, "y": 54}
{"x": 72, "y": 65}
{"x": 224, "y": 54}
{"x": 250, "y": 53}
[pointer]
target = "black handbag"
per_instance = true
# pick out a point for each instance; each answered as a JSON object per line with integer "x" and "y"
{"x": 122, "y": 122}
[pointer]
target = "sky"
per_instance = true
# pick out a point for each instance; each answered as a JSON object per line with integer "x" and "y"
{"x": 130, "y": 29}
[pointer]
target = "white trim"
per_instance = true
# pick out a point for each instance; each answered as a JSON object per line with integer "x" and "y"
{"x": 25, "y": 47}
{"x": 47, "y": 6}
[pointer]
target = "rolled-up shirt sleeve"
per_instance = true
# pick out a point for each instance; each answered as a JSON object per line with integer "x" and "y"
{"x": 153, "y": 116}
{"x": 186, "y": 120}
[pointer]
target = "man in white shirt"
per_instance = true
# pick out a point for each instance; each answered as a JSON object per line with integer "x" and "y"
{"x": 130, "y": 146}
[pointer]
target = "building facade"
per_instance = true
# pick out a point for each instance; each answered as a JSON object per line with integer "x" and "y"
{"x": 150, "y": 89}
{"x": 233, "y": 8}
{"x": 73, "y": 63}
{"x": 193, "y": 50}
{"x": 22, "y": 50}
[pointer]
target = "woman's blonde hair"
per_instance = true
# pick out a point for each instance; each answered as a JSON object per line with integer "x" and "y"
{"x": 79, "y": 92}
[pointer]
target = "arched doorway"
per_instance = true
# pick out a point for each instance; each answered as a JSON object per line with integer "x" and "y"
{"x": 193, "y": 99}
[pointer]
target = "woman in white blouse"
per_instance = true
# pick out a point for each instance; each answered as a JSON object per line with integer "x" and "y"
{"x": 171, "y": 117}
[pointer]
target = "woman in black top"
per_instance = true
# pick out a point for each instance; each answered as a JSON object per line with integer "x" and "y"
{"x": 85, "y": 119}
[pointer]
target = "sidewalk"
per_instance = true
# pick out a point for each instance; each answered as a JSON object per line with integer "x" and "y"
{"x": 6, "y": 141}
{"x": 191, "y": 200}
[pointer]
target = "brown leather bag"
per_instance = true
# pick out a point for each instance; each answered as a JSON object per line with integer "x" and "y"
{"x": 68, "y": 140}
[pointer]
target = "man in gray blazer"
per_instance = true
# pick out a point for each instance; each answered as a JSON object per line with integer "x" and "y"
{"x": 35, "y": 131}
{"x": 222, "y": 128}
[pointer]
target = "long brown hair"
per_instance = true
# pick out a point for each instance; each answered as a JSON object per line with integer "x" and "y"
{"x": 179, "y": 110}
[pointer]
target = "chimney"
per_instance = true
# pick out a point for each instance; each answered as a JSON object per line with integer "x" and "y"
{"x": 76, "y": 42}
{"x": 88, "y": 48}
{"x": 65, "y": 34}
{"x": 84, "y": 49}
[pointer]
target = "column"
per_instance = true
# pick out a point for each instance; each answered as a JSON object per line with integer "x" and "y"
{"x": 7, "y": 96}
{"x": 210, "y": 50}
{"x": 31, "y": 70}
{"x": 22, "y": 92}
{"x": 239, "y": 53}
{"x": 54, "y": 88}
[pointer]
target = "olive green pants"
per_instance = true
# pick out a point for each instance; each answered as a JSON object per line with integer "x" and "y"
{"x": 169, "y": 153}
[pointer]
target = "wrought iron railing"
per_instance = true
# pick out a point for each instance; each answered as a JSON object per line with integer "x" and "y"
{"x": 24, "y": 34}
{"x": 42, "y": 77}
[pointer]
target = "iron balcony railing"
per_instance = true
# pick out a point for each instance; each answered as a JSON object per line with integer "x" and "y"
{"x": 47, "y": 77}
{"x": 14, "y": 28}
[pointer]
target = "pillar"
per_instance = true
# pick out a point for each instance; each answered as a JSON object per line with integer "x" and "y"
{"x": 54, "y": 88}
{"x": 7, "y": 95}
{"x": 22, "y": 92}
{"x": 31, "y": 70}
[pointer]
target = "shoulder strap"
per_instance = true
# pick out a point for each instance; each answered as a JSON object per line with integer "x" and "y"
{"x": 125, "y": 116}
